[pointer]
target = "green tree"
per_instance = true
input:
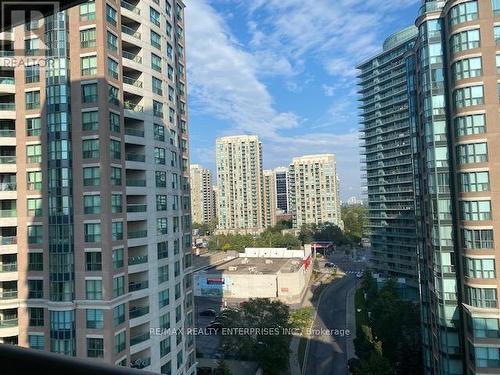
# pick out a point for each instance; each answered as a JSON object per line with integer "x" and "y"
{"x": 223, "y": 368}
{"x": 355, "y": 221}
{"x": 375, "y": 364}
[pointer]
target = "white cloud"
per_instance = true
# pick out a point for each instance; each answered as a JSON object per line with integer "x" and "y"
{"x": 328, "y": 90}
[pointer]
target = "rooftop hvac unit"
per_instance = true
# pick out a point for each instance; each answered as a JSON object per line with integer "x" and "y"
{"x": 269, "y": 261}
{"x": 252, "y": 269}
{"x": 232, "y": 268}
{"x": 244, "y": 261}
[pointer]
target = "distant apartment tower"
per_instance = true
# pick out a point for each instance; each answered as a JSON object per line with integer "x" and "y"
{"x": 313, "y": 190}
{"x": 240, "y": 183}
{"x": 269, "y": 197}
{"x": 387, "y": 159}
{"x": 202, "y": 196}
{"x": 215, "y": 200}
{"x": 454, "y": 75}
{"x": 95, "y": 231}
{"x": 281, "y": 182}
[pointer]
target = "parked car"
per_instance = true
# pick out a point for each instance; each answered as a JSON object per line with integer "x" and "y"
{"x": 208, "y": 312}
{"x": 359, "y": 275}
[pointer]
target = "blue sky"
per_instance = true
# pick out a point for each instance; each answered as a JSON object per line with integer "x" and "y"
{"x": 284, "y": 70}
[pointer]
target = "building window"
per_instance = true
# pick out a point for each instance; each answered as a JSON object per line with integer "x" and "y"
{"x": 164, "y": 347}
{"x": 120, "y": 342}
{"x": 170, "y": 51}
{"x": 496, "y": 7}
{"x": 117, "y": 231}
{"x": 156, "y": 62}
{"x": 91, "y": 176}
{"x": 95, "y": 319}
{"x": 481, "y": 297}
{"x": 34, "y": 154}
{"x": 160, "y": 157}
{"x": 89, "y": 93}
{"x": 95, "y": 347}
{"x": 485, "y": 328}
{"x": 463, "y": 13}
{"x": 113, "y": 95}
{"x": 177, "y": 291}
{"x": 112, "y": 68}
{"x": 161, "y": 179}
{"x": 162, "y": 250}
{"x": 157, "y": 109}
{"x": 35, "y": 262}
{"x": 88, "y": 38}
{"x": 34, "y": 206}
{"x": 32, "y": 74}
{"x": 166, "y": 369}
{"x": 117, "y": 258}
{"x": 467, "y": 68}
{"x": 477, "y": 238}
{"x": 465, "y": 40}
{"x": 155, "y": 40}
{"x": 93, "y": 289}
{"x": 468, "y": 96}
{"x": 472, "y": 153}
{"x": 33, "y": 127}
{"x": 36, "y": 316}
{"x": 118, "y": 286}
{"x": 116, "y": 203}
{"x": 162, "y": 274}
{"x": 92, "y": 232}
{"x": 159, "y": 132}
{"x": 111, "y": 15}
{"x": 114, "y": 122}
{"x": 474, "y": 181}
{"x": 157, "y": 86}
{"x": 479, "y": 268}
{"x": 475, "y": 210}
{"x": 161, "y": 203}
{"x": 35, "y": 289}
{"x": 89, "y": 65}
{"x": 32, "y": 47}
{"x": 35, "y": 234}
{"x": 119, "y": 315}
{"x": 93, "y": 261}
{"x": 90, "y": 148}
{"x": 115, "y": 149}
{"x": 116, "y": 176}
{"x": 32, "y": 99}
{"x": 112, "y": 41}
{"x": 164, "y": 299}
{"x": 90, "y": 120}
{"x": 87, "y": 11}
{"x": 178, "y": 314}
{"x": 467, "y": 125}
{"x": 154, "y": 16}
{"x": 162, "y": 226}
{"x": 36, "y": 342}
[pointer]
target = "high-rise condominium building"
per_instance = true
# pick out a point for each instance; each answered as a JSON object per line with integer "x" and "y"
{"x": 282, "y": 199}
{"x": 202, "y": 196}
{"x": 95, "y": 228}
{"x": 454, "y": 81}
{"x": 313, "y": 190}
{"x": 269, "y": 198}
{"x": 215, "y": 200}
{"x": 386, "y": 143}
{"x": 240, "y": 182}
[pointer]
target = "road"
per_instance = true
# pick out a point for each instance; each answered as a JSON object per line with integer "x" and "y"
{"x": 328, "y": 353}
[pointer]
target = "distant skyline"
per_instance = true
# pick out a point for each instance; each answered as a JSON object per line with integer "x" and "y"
{"x": 284, "y": 71}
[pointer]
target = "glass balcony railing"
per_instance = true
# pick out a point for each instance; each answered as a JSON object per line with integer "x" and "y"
{"x": 133, "y": 107}
{"x": 132, "y": 81}
{"x": 139, "y": 259}
{"x": 7, "y": 323}
{"x": 131, "y": 208}
{"x": 8, "y": 186}
{"x": 134, "y": 340}
{"x": 7, "y": 81}
{"x": 137, "y": 234}
{"x": 136, "y": 182}
{"x": 129, "y": 31}
{"x": 8, "y": 267}
{"x": 134, "y": 286}
{"x": 12, "y": 240}
{"x": 131, "y": 56}
{"x": 8, "y": 294}
{"x": 7, "y": 133}
{"x": 130, "y": 7}
{"x": 8, "y": 213}
{"x": 137, "y": 312}
{"x": 135, "y": 157}
{"x": 8, "y": 160}
{"x": 134, "y": 132}
{"x": 7, "y": 106}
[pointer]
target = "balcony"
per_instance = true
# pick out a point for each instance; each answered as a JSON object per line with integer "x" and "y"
{"x": 6, "y": 295}
{"x": 137, "y": 339}
{"x": 129, "y": 31}
{"x": 136, "y": 182}
{"x": 137, "y": 312}
{"x": 134, "y": 132}
{"x": 130, "y": 7}
{"x": 133, "y": 107}
{"x": 137, "y": 234}
{"x": 8, "y": 267}
{"x": 138, "y": 259}
{"x": 135, "y": 208}
{"x": 133, "y": 82}
{"x": 132, "y": 57}
{"x": 8, "y": 323}
{"x": 135, "y": 286}
{"x": 141, "y": 158}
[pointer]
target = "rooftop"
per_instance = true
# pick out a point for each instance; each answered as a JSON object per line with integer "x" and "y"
{"x": 265, "y": 266}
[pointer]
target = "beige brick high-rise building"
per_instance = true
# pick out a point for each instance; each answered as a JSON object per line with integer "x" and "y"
{"x": 202, "y": 195}
{"x": 95, "y": 244}
{"x": 313, "y": 190}
{"x": 240, "y": 183}
{"x": 269, "y": 197}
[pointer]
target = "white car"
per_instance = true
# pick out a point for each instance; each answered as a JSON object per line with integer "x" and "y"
{"x": 359, "y": 275}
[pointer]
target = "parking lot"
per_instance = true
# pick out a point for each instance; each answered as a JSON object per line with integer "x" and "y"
{"x": 208, "y": 344}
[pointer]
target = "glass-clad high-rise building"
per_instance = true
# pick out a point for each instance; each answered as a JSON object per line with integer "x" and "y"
{"x": 386, "y": 149}
{"x": 95, "y": 226}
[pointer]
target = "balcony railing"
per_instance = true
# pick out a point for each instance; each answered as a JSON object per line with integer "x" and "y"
{"x": 131, "y": 56}
{"x": 136, "y": 312}
{"x": 133, "y": 107}
{"x": 129, "y": 31}
{"x": 130, "y": 7}
{"x": 139, "y": 259}
{"x": 8, "y": 213}
{"x": 7, "y": 133}
{"x": 135, "y": 286}
{"x": 8, "y": 186}
{"x": 7, "y": 106}
{"x": 137, "y": 208}
{"x": 135, "y": 157}
{"x": 134, "y": 132}
{"x": 7, "y": 81}
{"x": 8, "y": 294}
{"x": 7, "y": 323}
{"x": 8, "y": 267}
{"x": 134, "y": 340}
{"x": 136, "y": 182}
{"x": 8, "y": 159}
{"x": 137, "y": 234}
{"x": 133, "y": 81}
